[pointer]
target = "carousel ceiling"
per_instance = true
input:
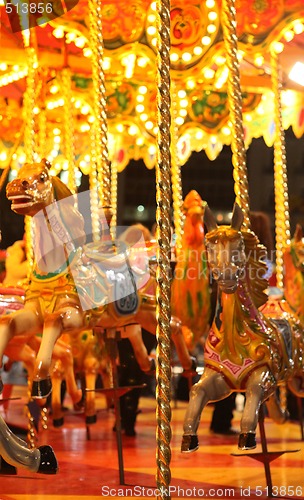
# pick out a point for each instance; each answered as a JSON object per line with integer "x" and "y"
{"x": 198, "y": 75}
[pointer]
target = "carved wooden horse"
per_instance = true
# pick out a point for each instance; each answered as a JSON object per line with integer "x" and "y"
{"x": 190, "y": 296}
{"x": 52, "y": 303}
{"x": 247, "y": 350}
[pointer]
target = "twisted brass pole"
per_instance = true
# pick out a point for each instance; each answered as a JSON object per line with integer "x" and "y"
{"x": 163, "y": 236}
{"x": 177, "y": 193}
{"x": 282, "y": 223}
{"x": 235, "y": 109}
{"x": 69, "y": 128}
{"x": 101, "y": 128}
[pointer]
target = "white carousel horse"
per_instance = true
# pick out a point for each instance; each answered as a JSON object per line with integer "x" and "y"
{"x": 248, "y": 349}
{"x": 53, "y": 303}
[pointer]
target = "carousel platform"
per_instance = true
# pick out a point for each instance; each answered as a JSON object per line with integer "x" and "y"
{"x": 89, "y": 470}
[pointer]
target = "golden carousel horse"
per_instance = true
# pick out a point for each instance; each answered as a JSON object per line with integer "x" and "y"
{"x": 250, "y": 348}
{"x": 54, "y": 303}
{"x": 293, "y": 257}
{"x": 190, "y": 295}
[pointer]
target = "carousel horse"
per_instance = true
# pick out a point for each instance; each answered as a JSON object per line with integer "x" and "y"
{"x": 253, "y": 345}
{"x": 53, "y": 302}
{"x": 190, "y": 295}
{"x": 293, "y": 257}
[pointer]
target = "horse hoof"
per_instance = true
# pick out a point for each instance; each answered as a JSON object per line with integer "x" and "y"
{"x": 58, "y": 422}
{"x": 48, "y": 461}
{"x": 92, "y": 419}
{"x": 6, "y": 468}
{"x": 41, "y": 388}
{"x": 189, "y": 443}
{"x": 247, "y": 441}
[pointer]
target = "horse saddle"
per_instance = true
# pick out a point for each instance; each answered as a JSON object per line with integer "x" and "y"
{"x": 104, "y": 276}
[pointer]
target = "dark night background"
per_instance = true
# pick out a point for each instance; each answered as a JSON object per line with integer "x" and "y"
{"x": 212, "y": 179}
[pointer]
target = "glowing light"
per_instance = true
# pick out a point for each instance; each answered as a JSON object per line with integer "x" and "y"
{"x": 140, "y": 108}
{"x": 120, "y": 127}
{"x": 190, "y": 84}
{"x": 142, "y": 89}
{"x": 149, "y": 125}
{"x": 197, "y": 51}
{"x": 199, "y": 134}
{"x": 278, "y": 47}
{"x": 151, "y": 30}
{"x": 288, "y": 35}
{"x": 297, "y": 73}
{"x": 54, "y": 89}
{"x": 87, "y": 52}
{"x": 298, "y": 28}
{"x": 259, "y": 59}
{"x": 58, "y": 33}
{"x": 174, "y": 57}
{"x": 80, "y": 42}
{"x": 179, "y": 120}
{"x": 140, "y": 208}
{"x": 210, "y": 4}
{"x": 212, "y": 16}
{"x": 211, "y": 28}
{"x": 206, "y": 40}
{"x": 208, "y": 73}
{"x": 3, "y": 66}
{"x": 181, "y": 94}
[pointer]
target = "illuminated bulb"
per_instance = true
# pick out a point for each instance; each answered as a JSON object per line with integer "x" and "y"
{"x": 248, "y": 117}
{"x": 85, "y": 109}
{"x": 144, "y": 117}
{"x": 3, "y": 156}
{"x": 183, "y": 103}
{"x": 183, "y": 112}
{"x": 142, "y": 89}
{"x": 211, "y": 28}
{"x": 152, "y": 149}
{"x": 56, "y": 131}
{"x": 87, "y": 52}
{"x": 226, "y": 130}
{"x": 153, "y": 6}
{"x": 298, "y": 28}
{"x": 206, "y": 40}
{"x": 60, "y": 102}
{"x": 139, "y": 141}
{"x": 174, "y": 57}
{"x": 179, "y": 120}
{"x": 50, "y": 105}
{"x": 208, "y": 73}
{"x": 190, "y": 84}
{"x": 140, "y": 98}
{"x": 36, "y": 110}
{"x": 54, "y": 89}
{"x": 186, "y": 56}
{"x": 16, "y": 67}
{"x": 212, "y": 16}
{"x": 210, "y": 4}
{"x": 259, "y": 59}
{"x": 151, "y": 18}
{"x": 220, "y": 60}
{"x": 58, "y": 33}
{"x": 151, "y": 30}
{"x": 80, "y": 42}
{"x": 197, "y": 51}
{"x": 181, "y": 94}
{"x": 288, "y": 35}
{"x": 297, "y": 73}
{"x": 132, "y": 130}
{"x": 120, "y": 127}
{"x": 213, "y": 139}
{"x": 142, "y": 62}
{"x": 84, "y": 127}
{"x": 278, "y": 47}
{"x": 140, "y": 108}
{"x": 149, "y": 125}
{"x": 77, "y": 104}
{"x": 199, "y": 134}
{"x": 155, "y": 130}
{"x": 87, "y": 158}
{"x": 71, "y": 36}
{"x": 57, "y": 139}
{"x": 3, "y": 66}
{"x": 91, "y": 119}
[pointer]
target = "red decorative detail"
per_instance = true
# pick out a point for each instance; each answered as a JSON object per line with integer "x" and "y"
{"x": 258, "y": 18}
{"x": 301, "y": 117}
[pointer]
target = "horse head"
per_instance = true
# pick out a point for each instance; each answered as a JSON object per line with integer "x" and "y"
{"x": 33, "y": 188}
{"x": 193, "y": 208}
{"x": 225, "y": 250}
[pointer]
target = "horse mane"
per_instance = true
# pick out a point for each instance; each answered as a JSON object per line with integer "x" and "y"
{"x": 256, "y": 267}
{"x": 72, "y": 218}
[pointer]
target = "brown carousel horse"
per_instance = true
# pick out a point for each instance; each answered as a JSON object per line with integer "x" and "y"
{"x": 293, "y": 257}
{"x": 248, "y": 349}
{"x": 53, "y": 302}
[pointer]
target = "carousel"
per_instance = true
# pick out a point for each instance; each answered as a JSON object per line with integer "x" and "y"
{"x": 96, "y": 315}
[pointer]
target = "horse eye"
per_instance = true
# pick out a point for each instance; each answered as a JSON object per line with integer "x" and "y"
{"x": 43, "y": 177}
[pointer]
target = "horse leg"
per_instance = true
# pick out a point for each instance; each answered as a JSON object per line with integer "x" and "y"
{"x": 187, "y": 361}
{"x": 21, "y": 322}
{"x": 133, "y": 333}
{"x": 54, "y": 325}
{"x": 275, "y": 409}
{"x": 63, "y": 353}
{"x": 255, "y": 395}
{"x": 210, "y": 387}
{"x": 16, "y": 453}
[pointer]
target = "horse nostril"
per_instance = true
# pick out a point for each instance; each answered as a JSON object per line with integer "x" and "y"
{"x": 25, "y": 184}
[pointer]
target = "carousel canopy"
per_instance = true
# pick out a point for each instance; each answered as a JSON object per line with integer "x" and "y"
{"x": 61, "y": 39}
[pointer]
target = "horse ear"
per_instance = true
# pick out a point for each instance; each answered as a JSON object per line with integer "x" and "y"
{"x": 237, "y": 217}
{"x": 46, "y": 163}
{"x": 298, "y": 235}
{"x": 209, "y": 219}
